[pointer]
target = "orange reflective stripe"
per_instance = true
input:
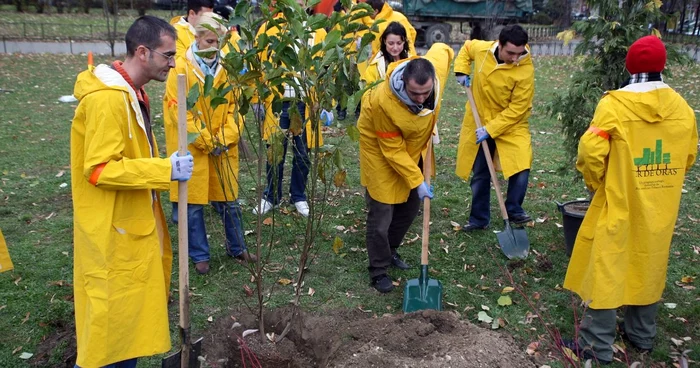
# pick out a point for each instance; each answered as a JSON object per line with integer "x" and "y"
{"x": 172, "y": 103}
{"x": 599, "y": 132}
{"x": 96, "y": 173}
{"x": 386, "y": 135}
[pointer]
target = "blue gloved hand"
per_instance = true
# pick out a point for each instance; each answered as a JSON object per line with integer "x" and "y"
{"x": 218, "y": 150}
{"x": 464, "y": 80}
{"x": 327, "y": 117}
{"x": 481, "y": 135}
{"x": 243, "y": 71}
{"x": 182, "y": 167}
{"x": 425, "y": 191}
{"x": 259, "y": 111}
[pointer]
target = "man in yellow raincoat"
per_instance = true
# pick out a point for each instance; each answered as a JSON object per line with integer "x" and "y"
{"x": 634, "y": 156}
{"x": 503, "y": 86}
{"x": 301, "y": 141}
{"x": 185, "y": 25}
{"x": 215, "y": 150}
{"x": 397, "y": 120}
{"x": 122, "y": 254}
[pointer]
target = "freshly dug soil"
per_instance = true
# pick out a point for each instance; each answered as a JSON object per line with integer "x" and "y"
{"x": 350, "y": 338}
{"x": 577, "y": 208}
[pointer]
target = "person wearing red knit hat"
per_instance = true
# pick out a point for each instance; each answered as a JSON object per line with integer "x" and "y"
{"x": 633, "y": 157}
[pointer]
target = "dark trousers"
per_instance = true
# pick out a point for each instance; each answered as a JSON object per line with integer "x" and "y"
{"x": 387, "y": 224}
{"x": 481, "y": 190}
{"x": 597, "y": 328}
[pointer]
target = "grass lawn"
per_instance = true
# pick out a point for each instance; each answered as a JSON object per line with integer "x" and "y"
{"x": 63, "y": 26}
{"x": 35, "y": 216}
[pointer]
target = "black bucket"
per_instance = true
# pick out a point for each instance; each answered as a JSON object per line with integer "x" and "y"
{"x": 572, "y": 222}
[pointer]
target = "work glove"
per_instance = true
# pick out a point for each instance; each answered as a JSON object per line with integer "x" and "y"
{"x": 182, "y": 167}
{"x": 464, "y": 80}
{"x": 243, "y": 71}
{"x": 218, "y": 150}
{"x": 259, "y": 111}
{"x": 327, "y": 117}
{"x": 481, "y": 135}
{"x": 425, "y": 190}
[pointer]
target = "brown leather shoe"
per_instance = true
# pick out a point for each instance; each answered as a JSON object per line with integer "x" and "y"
{"x": 247, "y": 257}
{"x": 202, "y": 267}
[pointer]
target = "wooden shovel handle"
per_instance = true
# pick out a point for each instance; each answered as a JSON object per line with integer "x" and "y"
{"x": 183, "y": 249}
{"x": 487, "y": 153}
{"x": 427, "y": 172}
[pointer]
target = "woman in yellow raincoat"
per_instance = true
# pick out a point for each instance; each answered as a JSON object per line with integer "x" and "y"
{"x": 398, "y": 118}
{"x": 302, "y": 141}
{"x": 383, "y": 11}
{"x": 634, "y": 157}
{"x": 503, "y": 86}
{"x": 215, "y": 150}
{"x": 122, "y": 254}
{"x": 394, "y": 47}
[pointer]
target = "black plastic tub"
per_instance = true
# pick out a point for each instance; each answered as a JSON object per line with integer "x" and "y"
{"x": 572, "y": 213}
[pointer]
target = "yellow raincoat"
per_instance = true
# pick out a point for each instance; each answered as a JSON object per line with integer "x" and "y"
{"x": 390, "y": 15}
{"x": 503, "y": 94}
{"x": 642, "y": 140}
{"x": 392, "y": 138}
{"x": 122, "y": 259}
{"x": 377, "y": 69}
{"x": 5, "y": 260}
{"x": 215, "y": 178}
{"x": 185, "y": 35}
{"x": 271, "y": 123}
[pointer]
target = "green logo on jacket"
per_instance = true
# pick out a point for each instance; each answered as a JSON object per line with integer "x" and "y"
{"x": 654, "y": 162}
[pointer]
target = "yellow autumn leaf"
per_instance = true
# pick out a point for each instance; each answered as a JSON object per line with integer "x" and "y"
{"x": 570, "y": 354}
{"x": 507, "y": 290}
{"x": 284, "y": 281}
{"x": 267, "y": 221}
{"x": 337, "y": 245}
{"x": 687, "y": 279}
{"x": 656, "y": 32}
{"x": 566, "y": 36}
{"x": 339, "y": 178}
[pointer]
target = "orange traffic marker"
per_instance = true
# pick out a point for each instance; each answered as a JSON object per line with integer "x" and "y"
{"x": 90, "y": 63}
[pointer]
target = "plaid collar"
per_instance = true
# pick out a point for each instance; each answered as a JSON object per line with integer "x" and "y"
{"x": 644, "y": 77}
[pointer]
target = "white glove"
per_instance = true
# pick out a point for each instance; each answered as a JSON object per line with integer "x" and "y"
{"x": 182, "y": 167}
{"x": 327, "y": 117}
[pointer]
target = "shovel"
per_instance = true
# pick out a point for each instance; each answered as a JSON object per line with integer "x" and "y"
{"x": 423, "y": 292}
{"x": 513, "y": 241}
{"x": 187, "y": 356}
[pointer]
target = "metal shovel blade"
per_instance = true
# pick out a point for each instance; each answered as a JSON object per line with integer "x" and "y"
{"x": 422, "y": 293}
{"x": 513, "y": 241}
{"x": 173, "y": 360}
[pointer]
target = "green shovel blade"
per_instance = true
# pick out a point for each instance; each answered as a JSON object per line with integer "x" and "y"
{"x": 422, "y": 293}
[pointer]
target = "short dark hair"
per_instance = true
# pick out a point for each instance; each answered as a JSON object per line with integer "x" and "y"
{"x": 419, "y": 70}
{"x": 514, "y": 34}
{"x": 394, "y": 28}
{"x": 197, "y": 5}
{"x": 146, "y": 31}
{"x": 376, "y": 4}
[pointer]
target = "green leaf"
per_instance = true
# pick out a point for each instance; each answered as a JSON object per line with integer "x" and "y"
{"x": 353, "y": 133}
{"x": 217, "y": 101}
{"x": 208, "y": 84}
{"x": 504, "y": 300}
{"x": 484, "y": 317}
{"x": 192, "y": 96}
{"x": 331, "y": 40}
{"x": 338, "y": 159}
{"x": 191, "y": 137}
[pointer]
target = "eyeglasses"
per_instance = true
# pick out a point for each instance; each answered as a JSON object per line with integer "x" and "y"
{"x": 168, "y": 57}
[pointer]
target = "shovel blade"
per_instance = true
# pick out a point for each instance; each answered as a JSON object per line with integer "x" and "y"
{"x": 422, "y": 293}
{"x": 173, "y": 360}
{"x": 513, "y": 242}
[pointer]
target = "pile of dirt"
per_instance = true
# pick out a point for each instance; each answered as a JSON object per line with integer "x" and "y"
{"x": 346, "y": 339}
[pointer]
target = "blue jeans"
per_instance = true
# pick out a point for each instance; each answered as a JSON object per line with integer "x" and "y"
{"x": 481, "y": 190}
{"x": 131, "y": 363}
{"x": 300, "y": 164}
{"x": 230, "y": 213}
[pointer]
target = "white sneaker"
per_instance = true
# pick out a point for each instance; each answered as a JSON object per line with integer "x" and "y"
{"x": 265, "y": 207}
{"x": 302, "y": 208}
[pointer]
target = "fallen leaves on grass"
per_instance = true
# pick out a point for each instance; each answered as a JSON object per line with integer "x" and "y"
{"x": 532, "y": 348}
{"x": 26, "y": 318}
{"x": 311, "y": 292}
{"x": 284, "y": 281}
{"x": 267, "y": 221}
{"x": 455, "y": 226}
{"x": 337, "y": 245}
{"x": 25, "y": 355}
{"x": 248, "y": 290}
{"x": 484, "y": 317}
{"x": 505, "y": 300}
{"x": 248, "y": 332}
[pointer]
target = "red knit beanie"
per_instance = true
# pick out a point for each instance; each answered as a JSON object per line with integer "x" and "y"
{"x": 646, "y": 55}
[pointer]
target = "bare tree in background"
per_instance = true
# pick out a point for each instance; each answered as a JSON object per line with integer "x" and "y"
{"x": 110, "y": 9}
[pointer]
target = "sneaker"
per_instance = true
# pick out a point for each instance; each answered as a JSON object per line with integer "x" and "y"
{"x": 265, "y": 207}
{"x": 397, "y": 262}
{"x": 583, "y": 354}
{"x": 382, "y": 283}
{"x": 520, "y": 219}
{"x": 471, "y": 227}
{"x": 246, "y": 257}
{"x": 202, "y": 268}
{"x": 302, "y": 208}
{"x": 626, "y": 339}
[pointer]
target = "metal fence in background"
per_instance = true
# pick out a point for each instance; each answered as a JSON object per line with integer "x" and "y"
{"x": 45, "y": 31}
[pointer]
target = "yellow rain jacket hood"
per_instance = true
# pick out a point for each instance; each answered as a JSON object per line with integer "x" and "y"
{"x": 393, "y": 138}
{"x": 215, "y": 178}
{"x": 503, "y": 94}
{"x": 642, "y": 140}
{"x": 122, "y": 254}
